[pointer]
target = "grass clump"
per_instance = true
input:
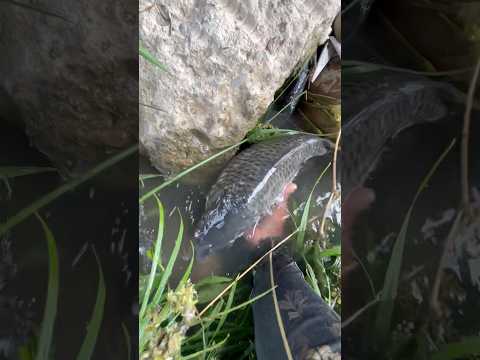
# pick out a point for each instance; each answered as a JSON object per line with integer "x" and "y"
{"x": 41, "y": 346}
{"x": 171, "y": 323}
{"x": 165, "y": 340}
{"x": 213, "y": 317}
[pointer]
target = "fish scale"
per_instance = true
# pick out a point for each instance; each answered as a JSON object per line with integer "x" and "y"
{"x": 249, "y": 187}
{"x": 379, "y": 113}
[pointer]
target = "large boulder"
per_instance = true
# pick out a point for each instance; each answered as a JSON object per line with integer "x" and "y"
{"x": 225, "y": 60}
{"x": 70, "y": 71}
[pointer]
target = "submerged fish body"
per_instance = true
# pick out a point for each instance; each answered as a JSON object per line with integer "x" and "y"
{"x": 250, "y": 185}
{"x": 379, "y": 114}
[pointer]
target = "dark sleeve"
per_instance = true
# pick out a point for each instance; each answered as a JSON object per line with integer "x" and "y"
{"x": 312, "y": 328}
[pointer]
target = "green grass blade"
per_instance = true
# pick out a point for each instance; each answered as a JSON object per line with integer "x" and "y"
{"x": 259, "y": 133}
{"x": 304, "y": 221}
{"x": 156, "y": 257}
{"x": 48, "y": 198}
{"x": 392, "y": 276}
{"x": 459, "y": 350}
{"x": 208, "y": 288}
{"x": 187, "y": 171}
{"x": 240, "y": 306}
{"x": 278, "y": 315}
{"x": 312, "y": 279}
{"x": 127, "y": 341}
{"x": 149, "y": 176}
{"x": 333, "y": 251}
{"x": 16, "y": 171}
{"x": 188, "y": 271}
{"x": 142, "y": 339}
{"x": 95, "y": 322}
{"x": 169, "y": 268}
{"x": 150, "y": 58}
{"x": 363, "y": 66}
{"x": 213, "y": 279}
{"x": 48, "y": 322}
{"x": 228, "y": 306}
{"x": 350, "y": 6}
{"x": 207, "y": 322}
{"x": 205, "y": 351}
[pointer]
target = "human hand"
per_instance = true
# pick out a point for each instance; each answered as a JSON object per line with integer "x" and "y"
{"x": 273, "y": 224}
{"x": 357, "y": 201}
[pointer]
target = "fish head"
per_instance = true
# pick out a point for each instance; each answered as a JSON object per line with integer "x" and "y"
{"x": 217, "y": 231}
{"x": 431, "y": 109}
{"x": 426, "y": 99}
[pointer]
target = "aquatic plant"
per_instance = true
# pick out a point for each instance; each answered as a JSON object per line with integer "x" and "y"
{"x": 42, "y": 346}
{"x": 222, "y": 322}
{"x": 222, "y": 325}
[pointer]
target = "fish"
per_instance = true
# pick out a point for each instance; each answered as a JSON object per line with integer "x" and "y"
{"x": 376, "y": 112}
{"x": 250, "y": 186}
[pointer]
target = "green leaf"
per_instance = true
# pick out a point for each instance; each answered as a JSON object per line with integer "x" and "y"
{"x": 459, "y": 350}
{"x": 228, "y": 306}
{"x": 127, "y": 341}
{"x": 240, "y": 306}
{"x": 304, "y": 221}
{"x": 156, "y": 258}
{"x": 206, "y": 350}
{"x": 333, "y": 251}
{"x": 312, "y": 279}
{"x": 150, "y": 58}
{"x": 48, "y": 198}
{"x": 48, "y": 322}
{"x": 262, "y": 133}
{"x": 169, "y": 268}
{"x": 187, "y": 171}
{"x": 16, "y": 171}
{"x": 188, "y": 271}
{"x": 95, "y": 322}
{"x": 392, "y": 276}
{"x": 209, "y": 287}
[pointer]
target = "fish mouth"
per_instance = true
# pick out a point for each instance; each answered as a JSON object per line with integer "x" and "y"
{"x": 204, "y": 246}
{"x": 211, "y": 242}
{"x": 203, "y": 251}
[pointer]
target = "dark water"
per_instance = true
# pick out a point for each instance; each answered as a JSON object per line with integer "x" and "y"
{"x": 101, "y": 213}
{"x": 418, "y": 328}
{"x": 188, "y": 197}
{"x": 411, "y": 155}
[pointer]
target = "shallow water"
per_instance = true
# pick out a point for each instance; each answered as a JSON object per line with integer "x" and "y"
{"x": 186, "y": 198}
{"x": 410, "y": 157}
{"x": 423, "y": 319}
{"x": 100, "y": 213}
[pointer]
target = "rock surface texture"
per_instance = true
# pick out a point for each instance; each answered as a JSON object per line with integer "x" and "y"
{"x": 69, "y": 69}
{"x": 225, "y": 60}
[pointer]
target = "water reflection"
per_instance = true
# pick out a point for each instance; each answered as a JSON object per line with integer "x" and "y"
{"x": 188, "y": 200}
{"x": 102, "y": 214}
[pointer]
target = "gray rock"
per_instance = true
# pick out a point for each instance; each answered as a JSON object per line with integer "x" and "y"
{"x": 225, "y": 60}
{"x": 69, "y": 74}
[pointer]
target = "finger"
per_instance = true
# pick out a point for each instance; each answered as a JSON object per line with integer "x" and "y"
{"x": 289, "y": 189}
{"x": 272, "y": 225}
{"x": 357, "y": 201}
